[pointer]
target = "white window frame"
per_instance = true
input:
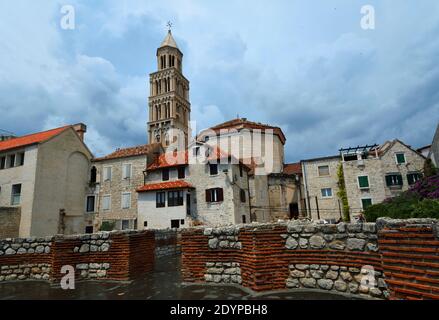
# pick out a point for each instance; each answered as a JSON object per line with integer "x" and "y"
{"x": 123, "y": 171}
{"x": 104, "y": 176}
{"x": 365, "y": 198}
{"x": 19, "y": 195}
{"x": 122, "y": 202}
{"x": 368, "y": 182}
{"x": 396, "y": 158}
{"x": 325, "y": 175}
{"x": 326, "y": 197}
{"x": 109, "y": 203}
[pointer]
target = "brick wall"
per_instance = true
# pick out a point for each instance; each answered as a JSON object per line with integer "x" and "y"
{"x": 111, "y": 256}
{"x": 390, "y": 260}
{"x": 410, "y": 258}
{"x": 9, "y": 222}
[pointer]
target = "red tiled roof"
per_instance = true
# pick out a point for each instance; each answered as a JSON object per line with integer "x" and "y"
{"x": 175, "y": 159}
{"x": 245, "y": 124}
{"x": 130, "y": 152}
{"x": 31, "y": 139}
{"x": 167, "y": 160}
{"x": 293, "y": 168}
{"x": 178, "y": 184}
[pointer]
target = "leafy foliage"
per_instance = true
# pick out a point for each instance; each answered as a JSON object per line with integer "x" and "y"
{"x": 421, "y": 201}
{"x": 107, "y": 226}
{"x": 342, "y": 195}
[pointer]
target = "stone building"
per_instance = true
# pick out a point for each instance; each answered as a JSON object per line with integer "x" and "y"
{"x": 371, "y": 174}
{"x": 169, "y": 106}
{"x": 45, "y": 174}
{"x": 274, "y": 187}
{"x": 320, "y": 188}
{"x": 382, "y": 172}
{"x": 112, "y": 196}
{"x": 202, "y": 185}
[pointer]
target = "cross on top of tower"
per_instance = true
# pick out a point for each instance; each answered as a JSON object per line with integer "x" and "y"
{"x": 169, "y": 25}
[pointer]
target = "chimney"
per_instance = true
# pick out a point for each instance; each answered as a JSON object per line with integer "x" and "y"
{"x": 80, "y": 129}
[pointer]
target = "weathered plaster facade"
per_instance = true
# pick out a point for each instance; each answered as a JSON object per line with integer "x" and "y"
{"x": 229, "y": 211}
{"x": 137, "y": 158}
{"x": 320, "y": 206}
{"x": 53, "y": 179}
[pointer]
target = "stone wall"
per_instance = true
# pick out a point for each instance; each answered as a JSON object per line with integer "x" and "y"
{"x": 9, "y": 222}
{"x": 167, "y": 243}
{"x": 388, "y": 260}
{"x": 117, "y": 255}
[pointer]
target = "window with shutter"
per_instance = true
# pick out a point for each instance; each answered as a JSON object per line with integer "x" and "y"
{"x": 412, "y": 178}
{"x": 126, "y": 200}
{"x": 126, "y": 171}
{"x": 366, "y": 202}
{"x": 220, "y": 195}
{"x": 363, "y": 182}
{"x": 107, "y": 174}
{"x": 394, "y": 180}
{"x": 323, "y": 170}
{"x": 400, "y": 158}
{"x": 106, "y": 202}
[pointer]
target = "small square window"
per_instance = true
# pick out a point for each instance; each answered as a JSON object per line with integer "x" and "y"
{"x": 326, "y": 193}
{"x": 125, "y": 224}
{"x": 88, "y": 229}
{"x": 145, "y": 223}
{"x": 323, "y": 170}
{"x": 400, "y": 158}
{"x": 213, "y": 168}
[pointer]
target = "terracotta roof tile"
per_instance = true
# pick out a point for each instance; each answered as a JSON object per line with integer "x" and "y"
{"x": 31, "y": 139}
{"x": 242, "y": 123}
{"x": 175, "y": 159}
{"x": 293, "y": 168}
{"x": 129, "y": 152}
{"x": 178, "y": 184}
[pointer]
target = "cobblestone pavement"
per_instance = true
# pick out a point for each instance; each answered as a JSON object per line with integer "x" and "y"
{"x": 164, "y": 283}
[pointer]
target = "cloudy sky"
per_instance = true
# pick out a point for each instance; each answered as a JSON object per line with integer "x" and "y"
{"x": 306, "y": 66}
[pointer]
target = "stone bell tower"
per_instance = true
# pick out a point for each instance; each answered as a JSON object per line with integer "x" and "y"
{"x": 169, "y": 106}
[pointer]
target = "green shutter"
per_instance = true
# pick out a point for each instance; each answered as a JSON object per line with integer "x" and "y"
{"x": 366, "y": 203}
{"x": 399, "y": 179}
{"x": 400, "y": 158}
{"x": 363, "y": 182}
{"x": 388, "y": 181}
